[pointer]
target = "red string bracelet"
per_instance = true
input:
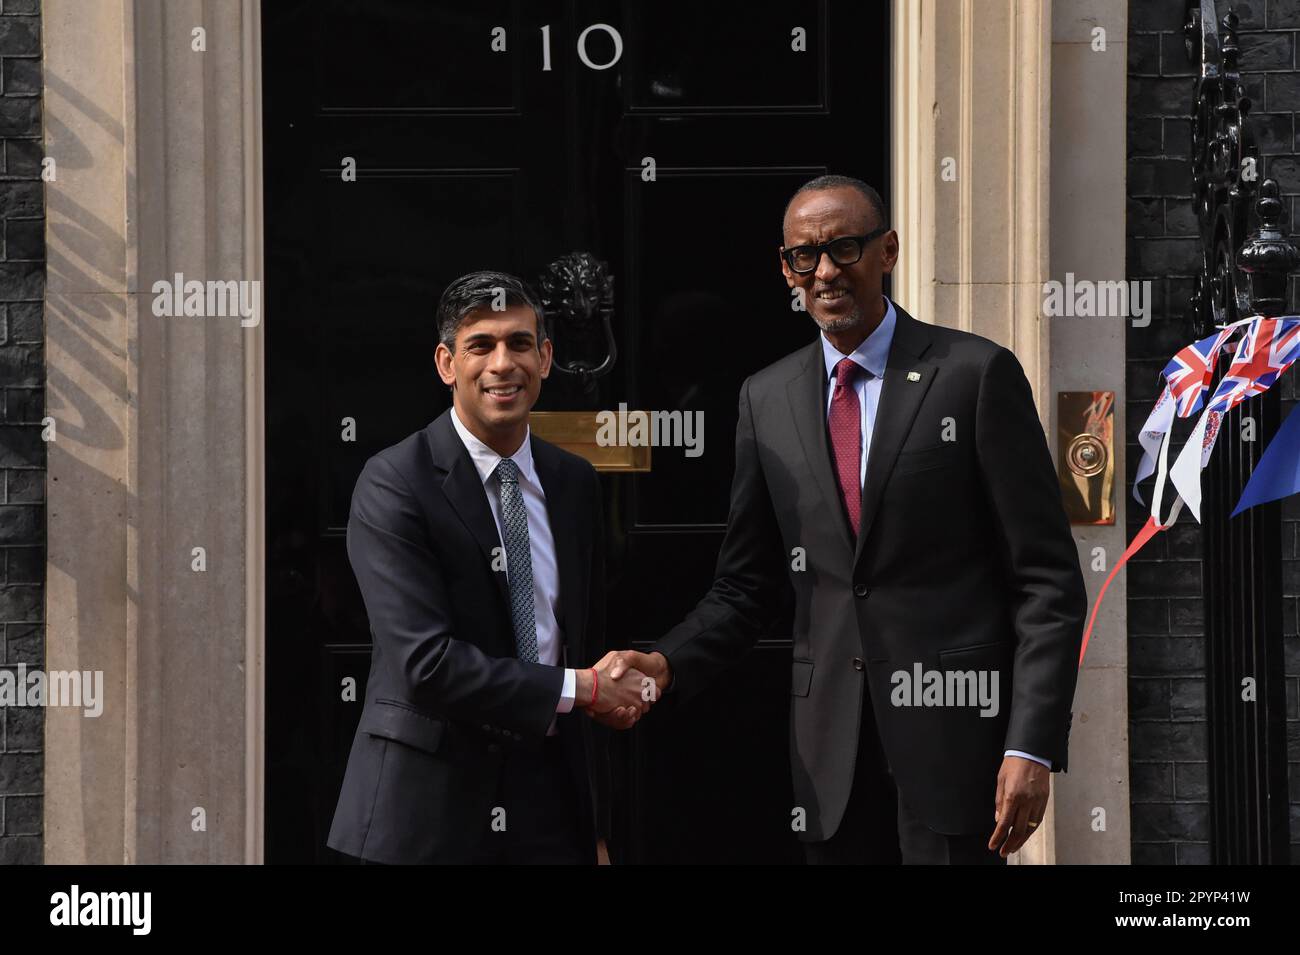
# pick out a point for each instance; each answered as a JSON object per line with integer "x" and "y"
{"x": 595, "y": 685}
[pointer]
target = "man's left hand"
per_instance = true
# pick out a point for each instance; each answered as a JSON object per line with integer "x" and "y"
{"x": 1023, "y": 788}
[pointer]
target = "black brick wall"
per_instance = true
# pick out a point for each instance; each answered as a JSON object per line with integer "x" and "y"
{"x": 22, "y": 405}
{"x": 1167, "y": 747}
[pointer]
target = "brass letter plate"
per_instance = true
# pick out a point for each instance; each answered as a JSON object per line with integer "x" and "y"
{"x": 575, "y": 431}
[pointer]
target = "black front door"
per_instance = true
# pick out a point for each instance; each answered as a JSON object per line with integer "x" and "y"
{"x": 410, "y": 142}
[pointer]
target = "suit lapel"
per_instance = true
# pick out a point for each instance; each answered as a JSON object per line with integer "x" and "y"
{"x": 465, "y": 491}
{"x": 900, "y": 399}
{"x": 806, "y": 393}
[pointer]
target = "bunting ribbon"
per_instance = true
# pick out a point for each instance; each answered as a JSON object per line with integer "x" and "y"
{"x": 1268, "y": 347}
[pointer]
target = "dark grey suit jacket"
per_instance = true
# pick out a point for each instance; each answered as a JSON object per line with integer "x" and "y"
{"x": 965, "y": 562}
{"x": 447, "y": 698}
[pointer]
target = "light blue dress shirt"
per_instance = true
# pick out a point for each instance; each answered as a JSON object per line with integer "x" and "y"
{"x": 873, "y": 354}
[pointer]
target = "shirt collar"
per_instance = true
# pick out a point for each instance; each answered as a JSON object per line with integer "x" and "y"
{"x": 486, "y": 460}
{"x": 873, "y": 353}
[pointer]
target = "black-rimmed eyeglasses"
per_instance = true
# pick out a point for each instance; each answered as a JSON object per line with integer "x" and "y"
{"x": 845, "y": 250}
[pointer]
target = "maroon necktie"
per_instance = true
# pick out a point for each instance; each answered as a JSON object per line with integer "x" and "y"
{"x": 846, "y": 439}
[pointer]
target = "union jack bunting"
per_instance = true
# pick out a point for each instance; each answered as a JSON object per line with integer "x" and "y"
{"x": 1190, "y": 371}
{"x": 1267, "y": 349}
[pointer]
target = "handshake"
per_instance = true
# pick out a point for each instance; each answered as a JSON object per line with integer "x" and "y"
{"x": 620, "y": 689}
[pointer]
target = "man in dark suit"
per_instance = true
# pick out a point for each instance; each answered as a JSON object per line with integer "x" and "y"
{"x": 479, "y": 552}
{"x": 896, "y": 475}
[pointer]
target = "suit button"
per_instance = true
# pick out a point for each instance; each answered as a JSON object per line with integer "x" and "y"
{"x": 860, "y": 590}
{"x": 858, "y": 663}
{"x": 487, "y": 727}
{"x": 494, "y": 747}
{"x": 518, "y": 737}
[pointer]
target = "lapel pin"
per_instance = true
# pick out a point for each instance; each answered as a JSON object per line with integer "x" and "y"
{"x": 913, "y": 376}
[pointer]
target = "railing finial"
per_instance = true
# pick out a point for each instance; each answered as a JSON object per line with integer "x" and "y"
{"x": 1267, "y": 257}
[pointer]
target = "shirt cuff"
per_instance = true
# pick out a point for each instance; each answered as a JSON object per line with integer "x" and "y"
{"x": 567, "y": 691}
{"x": 1016, "y": 752}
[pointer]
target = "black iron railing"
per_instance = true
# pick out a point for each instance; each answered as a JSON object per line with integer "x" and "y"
{"x": 1244, "y": 271}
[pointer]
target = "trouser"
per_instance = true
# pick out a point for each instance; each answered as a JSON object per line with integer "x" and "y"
{"x": 879, "y": 829}
{"x": 539, "y": 821}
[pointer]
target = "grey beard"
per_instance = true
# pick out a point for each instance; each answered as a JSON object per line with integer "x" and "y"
{"x": 847, "y": 323}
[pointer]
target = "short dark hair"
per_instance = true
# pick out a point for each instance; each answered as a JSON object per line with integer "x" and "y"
{"x": 837, "y": 182}
{"x": 479, "y": 290}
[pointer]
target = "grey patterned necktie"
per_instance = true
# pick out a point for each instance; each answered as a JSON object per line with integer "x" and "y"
{"x": 519, "y": 560}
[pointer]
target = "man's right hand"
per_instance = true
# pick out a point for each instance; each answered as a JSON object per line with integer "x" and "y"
{"x": 654, "y": 665}
{"x": 632, "y": 680}
{"x": 612, "y": 697}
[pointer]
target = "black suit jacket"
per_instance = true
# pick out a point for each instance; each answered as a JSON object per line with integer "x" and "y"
{"x": 447, "y": 699}
{"x": 964, "y": 562}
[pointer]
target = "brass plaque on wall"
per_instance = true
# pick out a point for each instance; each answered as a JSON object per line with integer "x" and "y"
{"x": 1085, "y": 455}
{"x": 576, "y": 431}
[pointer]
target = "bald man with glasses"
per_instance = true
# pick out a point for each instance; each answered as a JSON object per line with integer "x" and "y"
{"x": 939, "y": 616}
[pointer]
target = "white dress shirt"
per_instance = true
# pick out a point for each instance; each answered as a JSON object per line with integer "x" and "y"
{"x": 873, "y": 355}
{"x": 546, "y": 575}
